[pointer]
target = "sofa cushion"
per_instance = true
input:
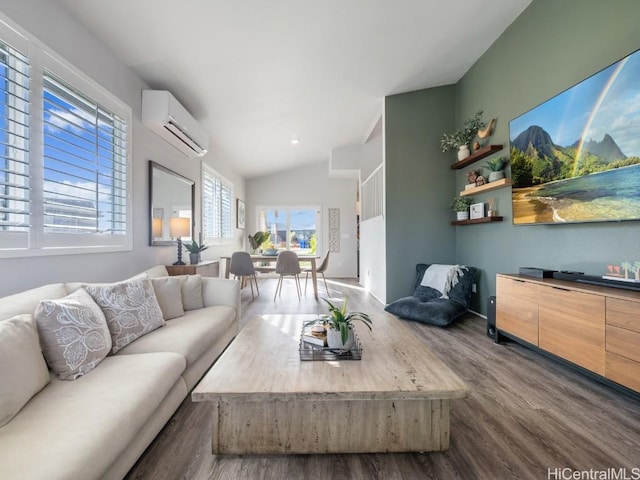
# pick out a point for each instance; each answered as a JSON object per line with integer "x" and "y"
{"x": 192, "y": 298}
{"x": 73, "y": 334}
{"x": 71, "y": 287}
{"x": 27, "y": 301}
{"x": 156, "y": 271}
{"x": 76, "y": 430}
{"x": 131, "y": 310}
{"x": 168, "y": 291}
{"x": 23, "y": 371}
{"x": 189, "y": 335}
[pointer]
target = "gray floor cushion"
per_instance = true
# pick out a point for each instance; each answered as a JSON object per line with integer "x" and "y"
{"x": 426, "y": 304}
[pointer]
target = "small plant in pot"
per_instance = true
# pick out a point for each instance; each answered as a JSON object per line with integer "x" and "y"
{"x": 339, "y": 325}
{"x": 461, "y": 139}
{"x": 495, "y": 166}
{"x": 194, "y": 251}
{"x": 460, "y": 205}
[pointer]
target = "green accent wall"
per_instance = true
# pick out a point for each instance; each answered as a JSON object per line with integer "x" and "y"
{"x": 419, "y": 185}
{"x": 551, "y": 46}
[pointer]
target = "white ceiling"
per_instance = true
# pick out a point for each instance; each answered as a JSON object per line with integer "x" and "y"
{"x": 258, "y": 73}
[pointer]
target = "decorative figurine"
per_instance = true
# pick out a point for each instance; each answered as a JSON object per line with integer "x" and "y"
{"x": 486, "y": 131}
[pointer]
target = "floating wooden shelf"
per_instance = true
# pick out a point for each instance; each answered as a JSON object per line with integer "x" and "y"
{"x": 477, "y": 220}
{"x": 503, "y": 182}
{"x": 474, "y": 157}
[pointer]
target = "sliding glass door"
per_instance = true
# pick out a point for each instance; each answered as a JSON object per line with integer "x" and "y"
{"x": 291, "y": 228}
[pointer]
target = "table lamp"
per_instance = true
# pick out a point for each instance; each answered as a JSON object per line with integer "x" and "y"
{"x": 156, "y": 227}
{"x": 179, "y": 227}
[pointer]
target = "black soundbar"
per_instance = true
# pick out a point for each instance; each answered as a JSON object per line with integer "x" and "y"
{"x": 595, "y": 280}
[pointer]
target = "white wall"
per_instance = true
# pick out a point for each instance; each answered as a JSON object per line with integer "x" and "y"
{"x": 373, "y": 266}
{"x": 372, "y": 156}
{"x": 311, "y": 185}
{"x": 55, "y": 27}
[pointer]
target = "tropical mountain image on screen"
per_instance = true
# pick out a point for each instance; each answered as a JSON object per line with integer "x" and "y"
{"x": 576, "y": 157}
{"x": 536, "y": 159}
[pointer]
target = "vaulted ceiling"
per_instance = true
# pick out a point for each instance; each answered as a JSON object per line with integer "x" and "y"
{"x": 258, "y": 74}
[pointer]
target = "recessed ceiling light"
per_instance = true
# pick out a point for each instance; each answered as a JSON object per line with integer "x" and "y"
{"x": 295, "y": 141}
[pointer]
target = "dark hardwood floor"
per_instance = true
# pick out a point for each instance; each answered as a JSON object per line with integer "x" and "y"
{"x": 526, "y": 414}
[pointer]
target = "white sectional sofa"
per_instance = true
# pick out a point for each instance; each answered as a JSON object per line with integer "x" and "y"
{"x": 98, "y": 425}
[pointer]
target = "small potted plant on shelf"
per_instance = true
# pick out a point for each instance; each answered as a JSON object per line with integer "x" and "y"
{"x": 460, "y": 205}
{"x": 194, "y": 251}
{"x": 339, "y": 325}
{"x": 461, "y": 139}
{"x": 495, "y": 166}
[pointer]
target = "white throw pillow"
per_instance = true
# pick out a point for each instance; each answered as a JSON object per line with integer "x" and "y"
{"x": 131, "y": 310}
{"x": 168, "y": 291}
{"x": 23, "y": 371}
{"x": 73, "y": 333}
{"x": 191, "y": 292}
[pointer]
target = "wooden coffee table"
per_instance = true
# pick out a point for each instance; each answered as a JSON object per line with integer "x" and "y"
{"x": 265, "y": 400}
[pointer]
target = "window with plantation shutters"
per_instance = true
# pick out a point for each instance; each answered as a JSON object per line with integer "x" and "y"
{"x": 217, "y": 207}
{"x": 85, "y": 163}
{"x": 226, "y": 211}
{"x": 14, "y": 157}
{"x": 65, "y": 155}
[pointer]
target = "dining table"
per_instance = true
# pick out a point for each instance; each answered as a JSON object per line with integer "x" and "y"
{"x": 263, "y": 258}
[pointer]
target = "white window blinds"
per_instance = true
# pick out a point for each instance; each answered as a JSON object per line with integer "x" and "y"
{"x": 64, "y": 159}
{"x": 217, "y": 206}
{"x": 14, "y": 158}
{"x": 85, "y": 163}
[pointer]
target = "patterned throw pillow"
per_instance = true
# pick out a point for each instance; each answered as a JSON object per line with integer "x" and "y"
{"x": 73, "y": 334}
{"x": 131, "y": 310}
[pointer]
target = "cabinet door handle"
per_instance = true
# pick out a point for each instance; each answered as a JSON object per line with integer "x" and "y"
{"x": 560, "y": 288}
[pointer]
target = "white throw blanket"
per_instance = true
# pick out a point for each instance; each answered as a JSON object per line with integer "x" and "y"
{"x": 443, "y": 277}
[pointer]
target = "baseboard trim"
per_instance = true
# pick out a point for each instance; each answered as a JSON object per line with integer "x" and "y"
{"x": 375, "y": 296}
{"x": 477, "y": 314}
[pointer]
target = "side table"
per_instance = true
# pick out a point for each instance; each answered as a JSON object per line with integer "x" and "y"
{"x": 206, "y": 269}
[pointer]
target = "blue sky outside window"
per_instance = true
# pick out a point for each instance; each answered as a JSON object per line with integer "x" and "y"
{"x": 84, "y": 163}
{"x": 14, "y": 133}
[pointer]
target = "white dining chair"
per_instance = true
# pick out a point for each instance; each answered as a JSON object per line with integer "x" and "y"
{"x": 287, "y": 264}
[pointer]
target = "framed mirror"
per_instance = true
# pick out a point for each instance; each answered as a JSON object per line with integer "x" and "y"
{"x": 171, "y": 197}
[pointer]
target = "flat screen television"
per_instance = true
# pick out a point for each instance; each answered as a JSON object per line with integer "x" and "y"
{"x": 576, "y": 157}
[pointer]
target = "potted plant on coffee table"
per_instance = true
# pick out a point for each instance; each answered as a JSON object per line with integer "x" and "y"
{"x": 194, "y": 251}
{"x": 460, "y": 205}
{"x": 339, "y": 325}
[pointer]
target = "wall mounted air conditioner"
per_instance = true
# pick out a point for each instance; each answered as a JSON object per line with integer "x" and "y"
{"x": 163, "y": 114}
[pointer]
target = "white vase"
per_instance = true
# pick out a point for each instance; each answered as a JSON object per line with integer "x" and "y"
{"x": 493, "y": 176}
{"x": 334, "y": 340}
{"x": 463, "y": 152}
{"x": 462, "y": 215}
